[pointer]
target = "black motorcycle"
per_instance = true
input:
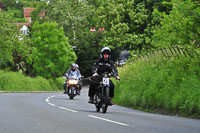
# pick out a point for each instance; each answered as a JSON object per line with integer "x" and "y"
{"x": 101, "y": 96}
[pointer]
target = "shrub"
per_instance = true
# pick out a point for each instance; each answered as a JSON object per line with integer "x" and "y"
{"x": 171, "y": 86}
{"x": 15, "y": 81}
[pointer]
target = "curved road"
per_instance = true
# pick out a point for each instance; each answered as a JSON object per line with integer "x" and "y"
{"x": 55, "y": 113}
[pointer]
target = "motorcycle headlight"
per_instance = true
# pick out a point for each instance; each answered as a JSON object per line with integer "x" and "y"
{"x": 72, "y": 82}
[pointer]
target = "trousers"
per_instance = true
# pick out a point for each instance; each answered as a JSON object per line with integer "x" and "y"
{"x": 94, "y": 85}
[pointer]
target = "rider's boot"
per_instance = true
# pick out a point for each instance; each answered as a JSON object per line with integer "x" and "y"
{"x": 110, "y": 102}
{"x": 65, "y": 92}
{"x": 78, "y": 92}
{"x": 91, "y": 100}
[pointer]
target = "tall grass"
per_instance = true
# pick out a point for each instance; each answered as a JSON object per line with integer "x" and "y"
{"x": 15, "y": 81}
{"x": 158, "y": 84}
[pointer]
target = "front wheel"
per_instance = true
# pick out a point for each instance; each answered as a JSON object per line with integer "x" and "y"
{"x": 71, "y": 97}
{"x": 104, "y": 107}
{"x": 71, "y": 93}
{"x": 106, "y": 99}
{"x": 97, "y": 103}
{"x": 98, "y": 108}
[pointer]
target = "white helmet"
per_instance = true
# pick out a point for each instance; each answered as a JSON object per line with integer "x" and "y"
{"x": 73, "y": 66}
{"x": 105, "y": 50}
{"x": 77, "y": 66}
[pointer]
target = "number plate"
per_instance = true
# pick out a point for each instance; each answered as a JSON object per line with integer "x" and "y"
{"x": 106, "y": 81}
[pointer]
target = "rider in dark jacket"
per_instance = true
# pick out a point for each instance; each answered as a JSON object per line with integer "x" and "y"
{"x": 104, "y": 64}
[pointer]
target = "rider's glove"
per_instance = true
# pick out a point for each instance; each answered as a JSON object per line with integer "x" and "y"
{"x": 95, "y": 74}
{"x": 117, "y": 78}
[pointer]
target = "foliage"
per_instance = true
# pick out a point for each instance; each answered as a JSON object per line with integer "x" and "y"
{"x": 18, "y": 4}
{"x": 72, "y": 17}
{"x": 22, "y": 20}
{"x": 8, "y": 37}
{"x": 15, "y": 13}
{"x": 180, "y": 27}
{"x": 15, "y": 81}
{"x": 22, "y": 56}
{"x": 87, "y": 53}
{"x": 35, "y": 14}
{"x": 159, "y": 84}
{"x": 75, "y": 20}
{"x": 128, "y": 23}
{"x": 15, "y": 7}
{"x": 13, "y": 51}
{"x": 52, "y": 52}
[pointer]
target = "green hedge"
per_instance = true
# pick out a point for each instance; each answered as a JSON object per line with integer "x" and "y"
{"x": 15, "y": 81}
{"x": 164, "y": 85}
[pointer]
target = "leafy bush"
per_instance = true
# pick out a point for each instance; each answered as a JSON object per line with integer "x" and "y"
{"x": 52, "y": 53}
{"x": 22, "y": 20}
{"x": 171, "y": 86}
{"x": 15, "y": 81}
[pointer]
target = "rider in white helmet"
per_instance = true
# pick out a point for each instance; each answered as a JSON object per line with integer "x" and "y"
{"x": 74, "y": 68}
{"x": 104, "y": 64}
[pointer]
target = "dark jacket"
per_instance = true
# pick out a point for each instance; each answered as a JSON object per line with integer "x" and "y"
{"x": 100, "y": 66}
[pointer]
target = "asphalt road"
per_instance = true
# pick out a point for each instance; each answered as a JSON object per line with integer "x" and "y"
{"x": 55, "y": 113}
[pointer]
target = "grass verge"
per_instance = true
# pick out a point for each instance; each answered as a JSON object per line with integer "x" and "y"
{"x": 170, "y": 86}
{"x": 16, "y": 82}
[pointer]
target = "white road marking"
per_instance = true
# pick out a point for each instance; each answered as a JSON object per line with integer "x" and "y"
{"x": 119, "y": 123}
{"x": 96, "y": 117}
{"x": 68, "y": 109}
{"x": 48, "y": 98}
{"x": 51, "y": 104}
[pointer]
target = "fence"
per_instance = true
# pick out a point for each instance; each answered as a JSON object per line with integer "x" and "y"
{"x": 168, "y": 53}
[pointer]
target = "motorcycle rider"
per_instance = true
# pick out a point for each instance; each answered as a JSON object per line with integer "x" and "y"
{"x": 104, "y": 64}
{"x": 73, "y": 69}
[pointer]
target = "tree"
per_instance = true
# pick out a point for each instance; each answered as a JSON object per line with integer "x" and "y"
{"x": 52, "y": 52}
{"x": 8, "y": 37}
{"x": 180, "y": 27}
{"x": 72, "y": 17}
{"x": 76, "y": 22}
{"x": 13, "y": 51}
{"x": 128, "y": 23}
{"x": 22, "y": 56}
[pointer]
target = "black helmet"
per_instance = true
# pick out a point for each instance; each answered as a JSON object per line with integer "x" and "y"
{"x": 105, "y": 50}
